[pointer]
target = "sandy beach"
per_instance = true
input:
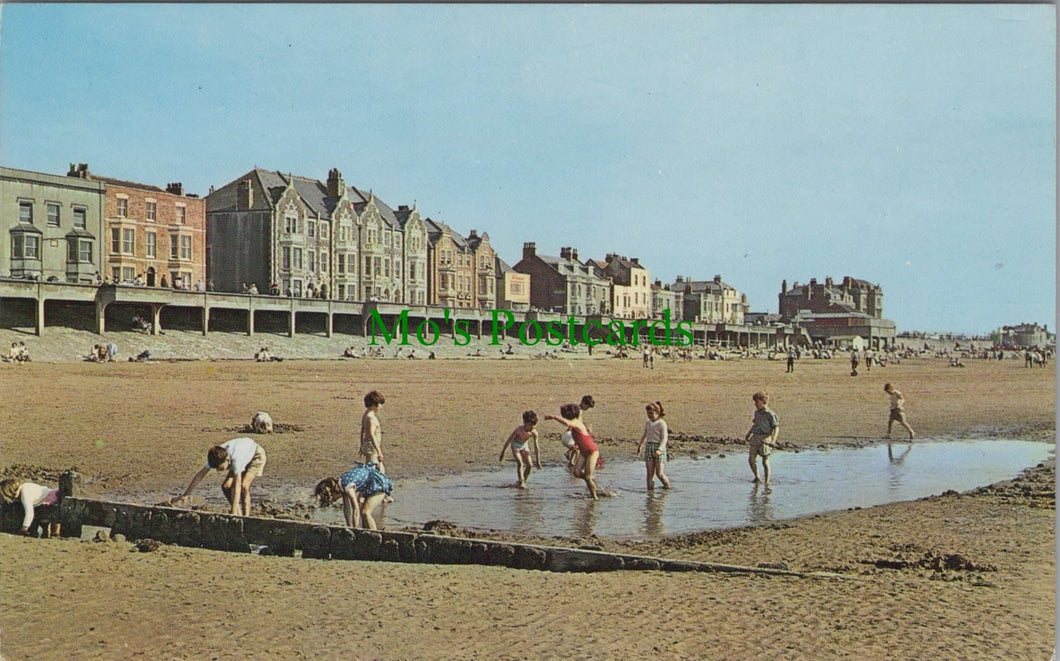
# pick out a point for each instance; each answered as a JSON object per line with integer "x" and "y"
{"x": 967, "y": 575}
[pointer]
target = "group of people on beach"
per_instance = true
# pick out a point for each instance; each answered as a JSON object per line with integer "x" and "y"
{"x": 362, "y": 488}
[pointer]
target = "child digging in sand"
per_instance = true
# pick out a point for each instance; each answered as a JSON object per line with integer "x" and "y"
{"x": 242, "y": 460}
{"x": 588, "y": 453}
{"x": 520, "y": 439}
{"x": 362, "y": 489}
{"x": 653, "y": 444}
{"x": 31, "y": 495}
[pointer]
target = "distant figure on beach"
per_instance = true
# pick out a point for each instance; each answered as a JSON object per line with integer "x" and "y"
{"x": 762, "y": 436}
{"x": 261, "y": 423}
{"x": 362, "y": 489}
{"x": 242, "y": 460}
{"x": 520, "y": 440}
{"x": 371, "y": 434}
{"x": 646, "y": 353}
{"x": 853, "y": 362}
{"x": 791, "y": 360}
{"x": 112, "y": 351}
{"x": 653, "y": 445}
{"x": 31, "y": 496}
{"x": 588, "y": 453}
{"x": 868, "y": 360}
{"x": 897, "y": 411}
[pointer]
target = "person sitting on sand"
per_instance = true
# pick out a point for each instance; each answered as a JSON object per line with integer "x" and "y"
{"x": 242, "y": 460}
{"x": 519, "y": 439}
{"x": 762, "y": 436}
{"x": 361, "y": 488}
{"x": 588, "y": 453}
{"x": 32, "y": 495}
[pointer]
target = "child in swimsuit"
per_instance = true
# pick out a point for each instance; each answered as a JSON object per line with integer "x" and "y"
{"x": 567, "y": 439}
{"x": 520, "y": 439}
{"x": 653, "y": 445}
{"x": 588, "y": 453}
{"x": 362, "y": 489}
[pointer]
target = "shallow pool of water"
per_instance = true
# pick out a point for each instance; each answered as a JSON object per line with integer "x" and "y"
{"x": 707, "y": 494}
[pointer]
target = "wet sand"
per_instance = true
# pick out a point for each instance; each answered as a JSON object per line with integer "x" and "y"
{"x": 954, "y": 576}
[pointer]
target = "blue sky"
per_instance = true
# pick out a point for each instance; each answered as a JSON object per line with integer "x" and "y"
{"x": 911, "y": 146}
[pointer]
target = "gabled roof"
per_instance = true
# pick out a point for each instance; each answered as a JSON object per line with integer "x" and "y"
{"x": 503, "y": 267}
{"x": 435, "y": 230}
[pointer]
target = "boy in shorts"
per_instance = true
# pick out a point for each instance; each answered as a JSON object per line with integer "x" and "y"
{"x": 897, "y": 411}
{"x": 762, "y": 436}
{"x": 371, "y": 434}
{"x": 242, "y": 460}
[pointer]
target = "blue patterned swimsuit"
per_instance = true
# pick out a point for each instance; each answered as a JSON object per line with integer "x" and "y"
{"x": 367, "y": 479}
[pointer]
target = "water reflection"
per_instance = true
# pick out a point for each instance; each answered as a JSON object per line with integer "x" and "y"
{"x": 758, "y": 509}
{"x": 653, "y": 513}
{"x": 585, "y": 516}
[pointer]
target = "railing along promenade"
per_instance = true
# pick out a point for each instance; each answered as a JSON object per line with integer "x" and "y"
{"x": 45, "y": 302}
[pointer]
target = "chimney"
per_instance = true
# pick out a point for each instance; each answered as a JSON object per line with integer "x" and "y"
{"x": 717, "y": 279}
{"x": 574, "y": 254}
{"x": 403, "y": 207}
{"x": 473, "y": 234}
{"x": 80, "y": 171}
{"x": 813, "y": 282}
{"x": 529, "y": 249}
{"x": 564, "y": 252}
{"x": 636, "y": 260}
{"x": 176, "y": 188}
{"x": 336, "y": 186}
{"x": 783, "y": 285}
{"x": 828, "y": 282}
{"x": 245, "y": 195}
{"x": 680, "y": 279}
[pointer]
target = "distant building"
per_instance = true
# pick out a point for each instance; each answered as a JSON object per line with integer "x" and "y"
{"x": 564, "y": 284}
{"x": 837, "y": 314}
{"x": 51, "y": 226}
{"x": 307, "y": 236}
{"x": 1024, "y": 335}
{"x": 711, "y": 301}
{"x": 513, "y": 288}
{"x": 630, "y": 286}
{"x": 150, "y": 232}
{"x": 664, "y": 297}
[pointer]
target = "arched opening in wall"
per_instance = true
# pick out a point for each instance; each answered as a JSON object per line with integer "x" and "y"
{"x": 181, "y": 318}
{"x": 268, "y": 321}
{"x": 151, "y": 279}
{"x": 346, "y": 324}
{"x": 18, "y": 314}
{"x": 228, "y": 320}
{"x": 311, "y": 323}
{"x": 128, "y": 317}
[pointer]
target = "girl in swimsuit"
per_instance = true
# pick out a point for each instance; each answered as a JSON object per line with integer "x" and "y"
{"x": 520, "y": 439}
{"x": 588, "y": 453}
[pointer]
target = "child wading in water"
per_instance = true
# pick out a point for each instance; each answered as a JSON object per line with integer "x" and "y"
{"x": 588, "y": 453}
{"x": 567, "y": 439}
{"x": 519, "y": 439}
{"x": 653, "y": 444}
{"x": 762, "y": 436}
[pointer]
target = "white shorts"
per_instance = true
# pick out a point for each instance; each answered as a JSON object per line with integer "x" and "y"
{"x": 567, "y": 439}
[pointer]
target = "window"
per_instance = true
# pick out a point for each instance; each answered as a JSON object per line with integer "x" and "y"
{"x": 128, "y": 273}
{"x": 285, "y": 258}
{"x": 123, "y": 207}
{"x": 174, "y": 247}
{"x": 323, "y": 230}
{"x": 367, "y": 265}
{"x": 298, "y": 262}
{"x": 340, "y": 263}
{"x": 53, "y": 214}
{"x": 342, "y": 292}
{"x": 128, "y": 241}
{"x": 182, "y": 214}
{"x": 152, "y": 209}
{"x": 79, "y": 218}
{"x": 352, "y": 263}
{"x": 115, "y": 240}
{"x": 377, "y": 267}
{"x": 386, "y": 268}
{"x": 25, "y": 212}
{"x": 323, "y": 262}
{"x": 311, "y": 260}
{"x": 115, "y": 274}
{"x": 152, "y": 244}
{"x": 85, "y": 248}
{"x": 185, "y": 247}
{"x": 25, "y": 246}
{"x": 311, "y": 229}
{"x": 71, "y": 251}
{"x": 290, "y": 223}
